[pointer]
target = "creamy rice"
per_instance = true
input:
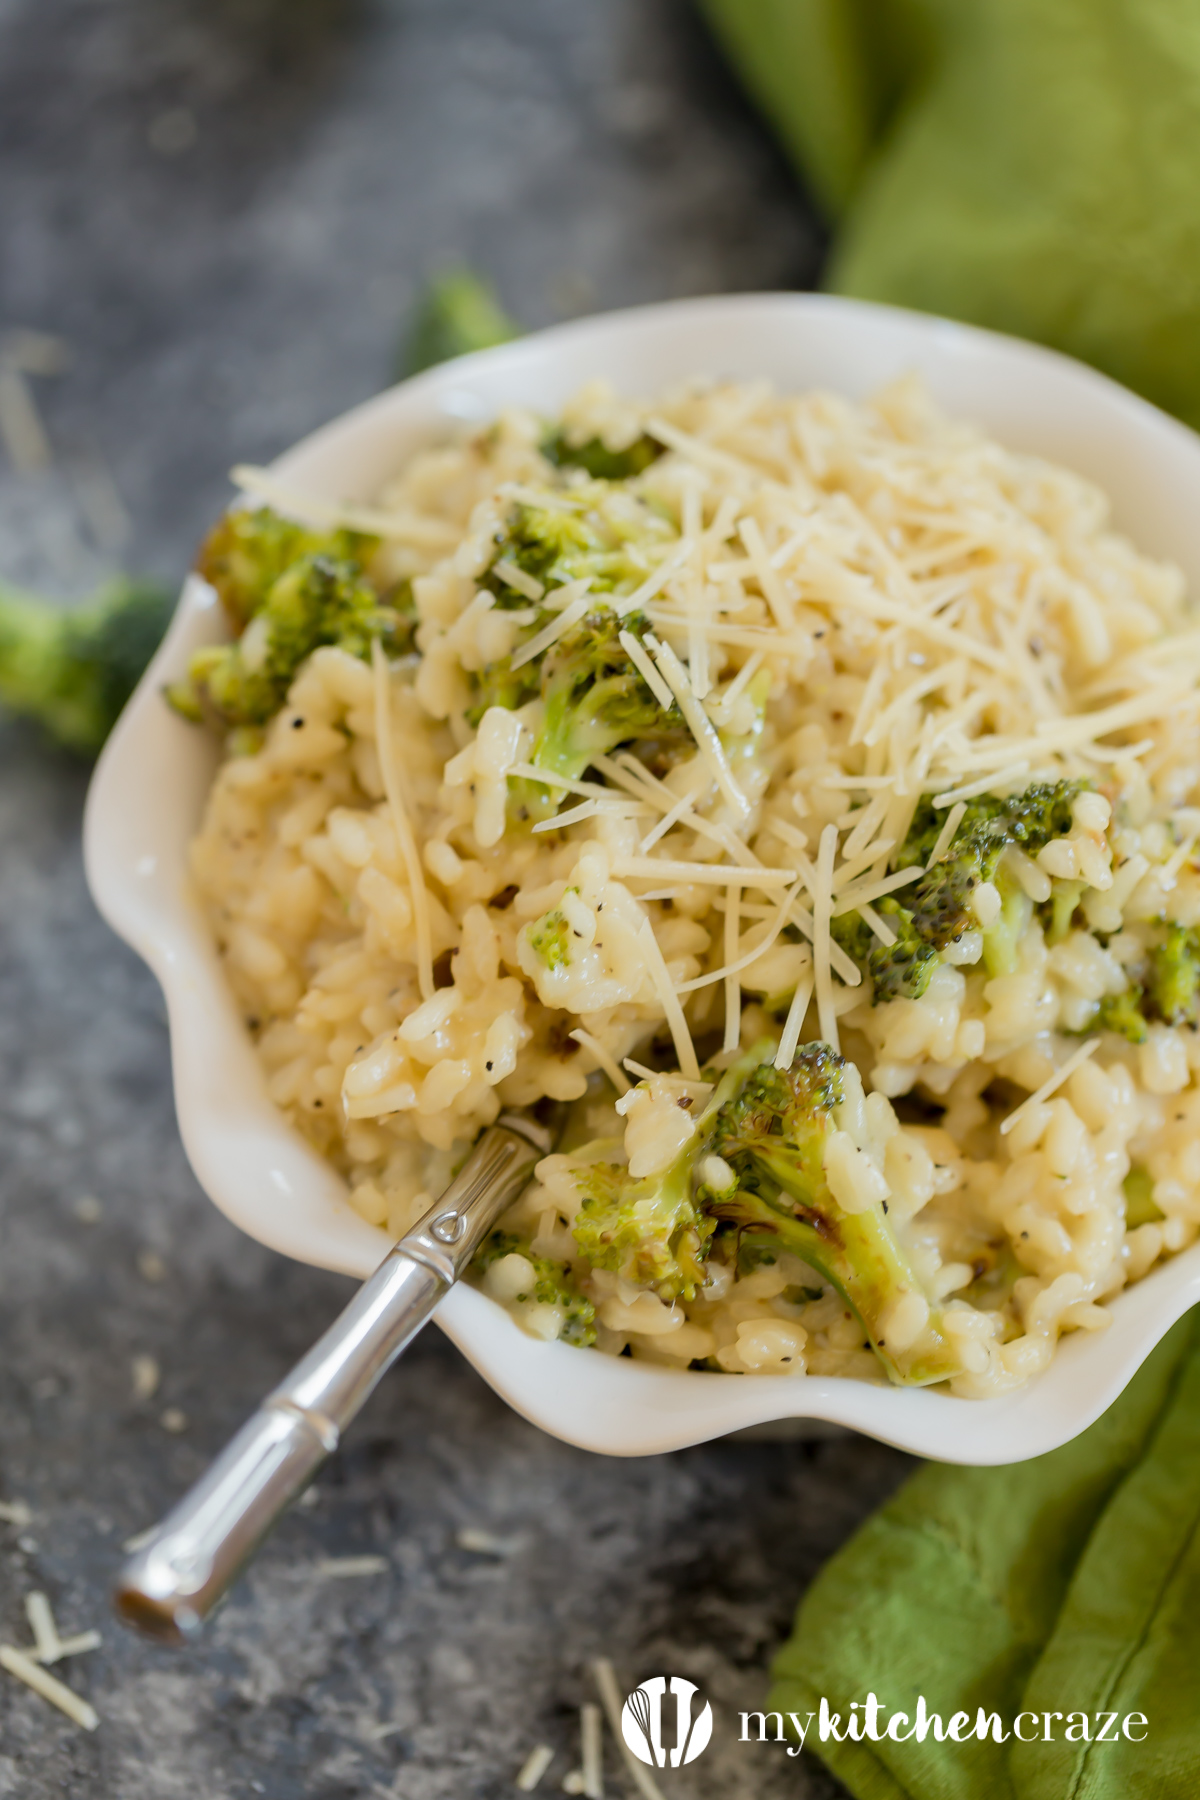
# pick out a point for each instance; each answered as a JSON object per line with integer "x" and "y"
{"x": 853, "y": 607}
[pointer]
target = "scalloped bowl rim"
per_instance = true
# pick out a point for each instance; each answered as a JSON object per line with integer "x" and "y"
{"x": 148, "y": 790}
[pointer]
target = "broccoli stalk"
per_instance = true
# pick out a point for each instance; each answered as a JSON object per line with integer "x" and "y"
{"x": 74, "y": 669}
{"x": 771, "y": 1128}
{"x": 936, "y": 909}
{"x": 287, "y": 590}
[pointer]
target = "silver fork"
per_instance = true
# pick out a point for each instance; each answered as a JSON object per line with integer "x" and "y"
{"x": 172, "y": 1583}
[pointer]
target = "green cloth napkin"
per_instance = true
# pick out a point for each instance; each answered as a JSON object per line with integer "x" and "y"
{"x": 1031, "y": 165}
{"x": 1069, "y": 1584}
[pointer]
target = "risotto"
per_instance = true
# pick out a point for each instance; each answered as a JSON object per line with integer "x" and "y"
{"x": 805, "y": 791}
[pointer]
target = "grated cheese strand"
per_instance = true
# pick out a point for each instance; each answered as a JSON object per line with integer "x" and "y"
{"x": 672, "y": 1011}
{"x": 646, "y": 669}
{"x": 605, "y": 1061}
{"x": 701, "y": 726}
{"x": 518, "y": 578}
{"x": 421, "y": 531}
{"x": 778, "y": 917}
{"x": 822, "y": 904}
{"x": 550, "y": 634}
{"x": 768, "y": 578}
{"x": 670, "y": 565}
{"x": 400, "y": 820}
{"x": 1048, "y": 1087}
{"x": 1001, "y": 778}
{"x": 587, "y": 809}
{"x": 45, "y": 1631}
{"x": 794, "y": 1023}
{"x": 605, "y": 1678}
{"x": 945, "y": 836}
{"x": 533, "y": 1768}
{"x": 591, "y": 1764}
{"x": 18, "y": 1663}
{"x": 853, "y": 897}
{"x": 650, "y": 868}
{"x": 732, "y": 945}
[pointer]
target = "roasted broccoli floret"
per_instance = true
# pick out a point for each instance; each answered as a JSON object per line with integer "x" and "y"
{"x": 1123, "y": 1014}
{"x": 287, "y": 591}
{"x": 553, "y": 1285}
{"x": 754, "y": 1170}
{"x": 74, "y": 668}
{"x": 245, "y": 554}
{"x": 1175, "y": 975}
{"x": 570, "y": 536}
{"x": 548, "y": 939}
{"x": 597, "y": 460}
{"x": 934, "y": 912}
{"x": 458, "y": 313}
{"x": 315, "y": 601}
{"x": 650, "y": 1230}
{"x": 770, "y": 1128}
{"x": 595, "y": 699}
{"x": 1167, "y": 987}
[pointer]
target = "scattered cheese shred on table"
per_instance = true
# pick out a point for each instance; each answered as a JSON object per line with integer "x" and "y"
{"x": 18, "y": 1663}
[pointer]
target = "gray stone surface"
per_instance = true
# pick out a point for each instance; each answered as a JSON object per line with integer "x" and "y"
{"x": 224, "y": 207}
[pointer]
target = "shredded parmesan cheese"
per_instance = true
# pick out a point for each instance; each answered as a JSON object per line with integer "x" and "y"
{"x": 945, "y": 836}
{"x": 550, "y": 634}
{"x": 605, "y": 1061}
{"x": 590, "y": 1720}
{"x": 672, "y": 1011}
{"x": 646, "y": 669}
{"x": 701, "y": 726}
{"x": 18, "y": 1663}
{"x": 610, "y": 1695}
{"x": 822, "y": 900}
{"x": 1048, "y": 1087}
{"x": 424, "y": 532}
{"x": 400, "y": 821}
{"x": 652, "y": 868}
{"x": 533, "y": 1768}
{"x": 794, "y": 1023}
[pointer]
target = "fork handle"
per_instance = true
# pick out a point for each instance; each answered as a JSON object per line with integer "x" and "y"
{"x": 172, "y": 1583}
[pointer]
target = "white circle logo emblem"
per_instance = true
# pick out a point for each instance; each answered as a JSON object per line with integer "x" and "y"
{"x": 646, "y": 1717}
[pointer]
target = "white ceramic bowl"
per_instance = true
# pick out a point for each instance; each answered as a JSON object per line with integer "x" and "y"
{"x": 149, "y": 788}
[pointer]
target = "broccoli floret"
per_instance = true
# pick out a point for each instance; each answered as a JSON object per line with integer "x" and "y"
{"x": 295, "y": 599}
{"x": 1123, "y": 1014}
{"x": 594, "y": 456}
{"x": 936, "y": 910}
{"x": 548, "y": 939}
{"x": 458, "y": 313}
{"x": 567, "y": 538}
{"x": 1140, "y": 1207}
{"x": 1166, "y": 988}
{"x": 771, "y": 1128}
{"x": 1175, "y": 975}
{"x": 648, "y": 1230}
{"x": 594, "y": 700}
{"x": 74, "y": 669}
{"x": 554, "y": 1285}
{"x": 245, "y": 554}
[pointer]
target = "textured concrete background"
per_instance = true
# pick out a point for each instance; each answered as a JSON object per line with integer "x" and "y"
{"x": 224, "y": 209}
